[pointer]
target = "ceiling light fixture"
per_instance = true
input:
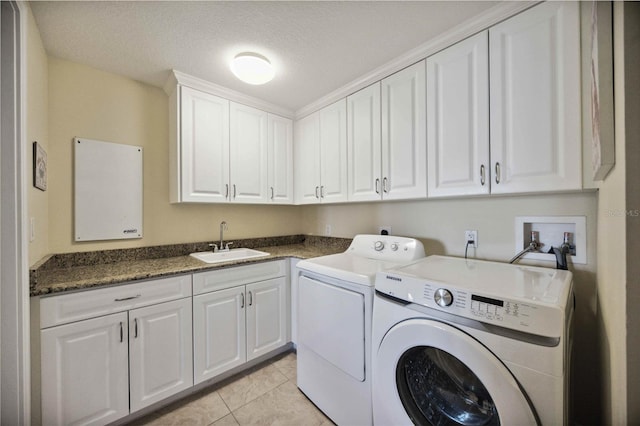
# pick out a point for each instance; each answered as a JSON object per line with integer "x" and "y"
{"x": 252, "y": 68}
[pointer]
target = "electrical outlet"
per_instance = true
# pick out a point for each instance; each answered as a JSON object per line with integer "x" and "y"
{"x": 471, "y": 236}
{"x": 384, "y": 230}
{"x": 327, "y": 230}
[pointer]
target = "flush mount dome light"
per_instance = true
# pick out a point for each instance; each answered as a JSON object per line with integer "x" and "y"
{"x": 252, "y": 68}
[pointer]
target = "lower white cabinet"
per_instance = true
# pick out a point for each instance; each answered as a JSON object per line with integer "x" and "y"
{"x": 160, "y": 352}
{"x": 236, "y": 324}
{"x": 97, "y": 368}
{"x": 85, "y": 371}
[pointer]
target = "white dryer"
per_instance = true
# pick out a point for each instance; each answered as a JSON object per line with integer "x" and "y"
{"x": 335, "y": 297}
{"x": 468, "y": 342}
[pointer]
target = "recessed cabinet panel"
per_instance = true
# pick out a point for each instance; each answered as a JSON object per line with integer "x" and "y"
{"x": 84, "y": 371}
{"x": 160, "y": 351}
{"x": 204, "y": 146}
{"x": 535, "y": 100}
{"x": 219, "y": 330}
{"x": 307, "y": 160}
{"x": 248, "y": 154}
{"x": 404, "y": 134}
{"x": 458, "y": 117}
{"x": 333, "y": 152}
{"x": 266, "y": 316}
{"x": 280, "y": 155}
{"x": 364, "y": 144}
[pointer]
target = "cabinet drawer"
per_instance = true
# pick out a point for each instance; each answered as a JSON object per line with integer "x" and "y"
{"x": 72, "y": 307}
{"x": 204, "y": 282}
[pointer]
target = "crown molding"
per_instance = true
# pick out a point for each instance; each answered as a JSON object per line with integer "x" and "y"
{"x": 458, "y": 33}
{"x": 177, "y": 78}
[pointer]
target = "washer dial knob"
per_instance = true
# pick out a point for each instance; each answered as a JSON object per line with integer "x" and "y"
{"x": 394, "y": 247}
{"x": 443, "y": 297}
{"x": 378, "y": 245}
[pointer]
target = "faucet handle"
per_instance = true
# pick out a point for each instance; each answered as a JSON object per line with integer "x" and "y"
{"x": 227, "y": 246}
{"x": 215, "y": 247}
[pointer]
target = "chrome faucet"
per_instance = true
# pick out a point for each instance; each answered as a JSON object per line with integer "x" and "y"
{"x": 223, "y": 227}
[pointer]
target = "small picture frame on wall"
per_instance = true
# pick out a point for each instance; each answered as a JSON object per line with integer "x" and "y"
{"x": 39, "y": 167}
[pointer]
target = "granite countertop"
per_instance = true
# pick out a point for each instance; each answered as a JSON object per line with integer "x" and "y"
{"x": 77, "y": 271}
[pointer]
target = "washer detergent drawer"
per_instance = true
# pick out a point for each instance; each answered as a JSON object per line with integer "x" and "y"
{"x": 331, "y": 324}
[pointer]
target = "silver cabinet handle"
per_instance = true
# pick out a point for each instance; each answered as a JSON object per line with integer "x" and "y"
{"x": 377, "y": 185}
{"x": 272, "y": 192}
{"x": 226, "y": 192}
{"x": 234, "y": 191}
{"x": 122, "y": 299}
{"x": 385, "y": 188}
{"x": 241, "y": 300}
{"x": 497, "y": 172}
{"x": 322, "y": 191}
{"x": 482, "y": 176}
{"x": 250, "y": 298}
{"x": 317, "y": 196}
{"x": 121, "y": 333}
{"x": 135, "y": 328}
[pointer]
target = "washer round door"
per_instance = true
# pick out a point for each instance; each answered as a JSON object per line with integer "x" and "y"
{"x": 431, "y": 373}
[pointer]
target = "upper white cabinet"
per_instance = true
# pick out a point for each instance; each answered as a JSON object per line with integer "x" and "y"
{"x": 404, "y": 134}
{"x": 363, "y": 142}
{"x": 248, "y": 179}
{"x": 387, "y": 138}
{"x": 200, "y": 153}
{"x": 458, "y": 119}
{"x": 321, "y": 156}
{"x": 535, "y": 100}
{"x": 223, "y": 151}
{"x": 280, "y": 159}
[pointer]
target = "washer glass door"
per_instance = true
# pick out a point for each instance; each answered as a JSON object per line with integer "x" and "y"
{"x": 438, "y": 389}
{"x": 428, "y": 372}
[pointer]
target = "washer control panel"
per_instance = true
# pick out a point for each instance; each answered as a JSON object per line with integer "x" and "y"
{"x": 505, "y": 312}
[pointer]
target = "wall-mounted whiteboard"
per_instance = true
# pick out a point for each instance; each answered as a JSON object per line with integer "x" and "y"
{"x": 108, "y": 190}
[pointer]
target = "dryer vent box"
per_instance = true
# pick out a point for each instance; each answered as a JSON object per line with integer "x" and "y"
{"x": 551, "y": 231}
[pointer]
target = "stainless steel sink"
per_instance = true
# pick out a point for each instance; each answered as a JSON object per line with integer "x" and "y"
{"x": 228, "y": 256}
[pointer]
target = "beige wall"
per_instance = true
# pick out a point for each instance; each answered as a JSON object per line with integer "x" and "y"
{"x": 37, "y": 130}
{"x": 612, "y": 256}
{"x": 89, "y": 103}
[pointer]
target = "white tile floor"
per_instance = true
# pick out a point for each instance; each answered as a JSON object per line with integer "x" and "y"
{"x": 264, "y": 395}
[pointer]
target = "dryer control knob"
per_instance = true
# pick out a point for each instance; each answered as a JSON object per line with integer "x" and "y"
{"x": 443, "y": 297}
{"x": 394, "y": 247}
{"x": 378, "y": 245}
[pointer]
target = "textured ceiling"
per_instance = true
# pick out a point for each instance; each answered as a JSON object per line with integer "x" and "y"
{"x": 316, "y": 46}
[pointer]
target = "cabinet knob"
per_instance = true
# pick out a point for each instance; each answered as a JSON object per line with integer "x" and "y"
{"x": 250, "y": 298}
{"x": 385, "y": 186}
{"x": 241, "y": 300}
{"x": 317, "y": 188}
{"x": 482, "y": 176}
{"x": 272, "y": 192}
{"x": 497, "y": 172}
{"x": 377, "y": 185}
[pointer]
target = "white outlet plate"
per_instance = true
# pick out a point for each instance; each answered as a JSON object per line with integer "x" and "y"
{"x": 327, "y": 230}
{"x": 471, "y": 235}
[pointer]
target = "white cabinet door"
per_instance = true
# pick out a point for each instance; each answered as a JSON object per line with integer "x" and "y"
{"x": 307, "y": 160}
{"x": 267, "y": 314}
{"x": 160, "y": 341}
{"x": 333, "y": 152}
{"x": 248, "y": 155}
{"x": 535, "y": 100}
{"x": 404, "y": 134}
{"x": 280, "y": 164}
{"x": 219, "y": 332}
{"x": 364, "y": 146}
{"x": 204, "y": 147}
{"x": 458, "y": 119}
{"x": 85, "y": 377}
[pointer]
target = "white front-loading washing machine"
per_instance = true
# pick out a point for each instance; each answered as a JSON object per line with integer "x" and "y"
{"x": 335, "y": 297}
{"x": 468, "y": 342}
